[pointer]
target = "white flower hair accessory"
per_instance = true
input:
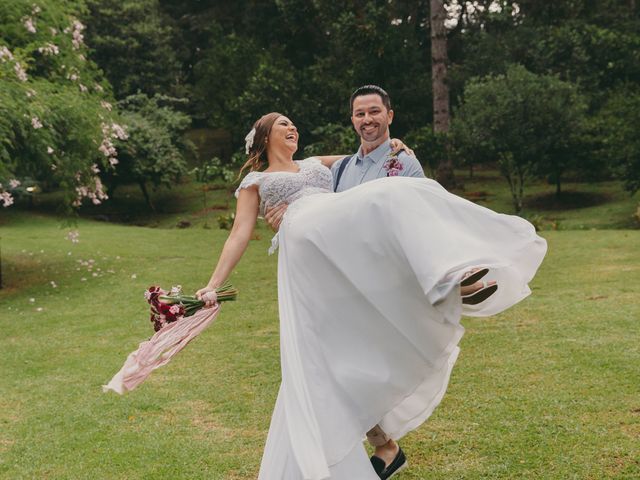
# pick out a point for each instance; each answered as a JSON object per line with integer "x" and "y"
{"x": 248, "y": 140}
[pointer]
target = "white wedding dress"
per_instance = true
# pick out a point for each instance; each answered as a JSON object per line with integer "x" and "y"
{"x": 370, "y": 307}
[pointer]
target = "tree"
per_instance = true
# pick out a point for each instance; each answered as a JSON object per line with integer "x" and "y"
{"x": 239, "y": 67}
{"x": 56, "y": 123}
{"x": 617, "y": 123}
{"x": 155, "y": 149}
{"x": 444, "y": 173}
{"x": 529, "y": 123}
{"x": 332, "y": 138}
{"x": 430, "y": 147}
{"x": 136, "y": 45}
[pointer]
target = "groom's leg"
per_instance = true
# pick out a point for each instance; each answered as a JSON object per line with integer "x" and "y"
{"x": 377, "y": 437}
{"x": 387, "y": 450}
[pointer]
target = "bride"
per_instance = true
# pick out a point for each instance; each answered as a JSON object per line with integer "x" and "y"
{"x": 369, "y": 299}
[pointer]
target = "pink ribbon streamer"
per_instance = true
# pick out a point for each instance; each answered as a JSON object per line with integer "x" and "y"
{"x": 159, "y": 349}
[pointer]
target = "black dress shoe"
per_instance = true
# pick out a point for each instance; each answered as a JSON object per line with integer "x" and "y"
{"x": 399, "y": 462}
{"x": 479, "y": 296}
{"x": 378, "y": 465}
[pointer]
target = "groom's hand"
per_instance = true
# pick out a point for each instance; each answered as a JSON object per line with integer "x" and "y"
{"x": 273, "y": 216}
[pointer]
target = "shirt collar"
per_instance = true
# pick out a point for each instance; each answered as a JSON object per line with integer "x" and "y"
{"x": 377, "y": 154}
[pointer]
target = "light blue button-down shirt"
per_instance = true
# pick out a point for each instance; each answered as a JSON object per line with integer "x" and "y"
{"x": 364, "y": 168}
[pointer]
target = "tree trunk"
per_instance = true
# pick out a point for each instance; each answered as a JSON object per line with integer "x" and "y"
{"x": 520, "y": 191}
{"x": 444, "y": 173}
{"x": 145, "y": 193}
{"x": 557, "y": 173}
{"x": 111, "y": 189}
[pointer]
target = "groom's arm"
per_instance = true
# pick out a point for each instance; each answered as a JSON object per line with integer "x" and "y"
{"x": 273, "y": 216}
{"x": 328, "y": 160}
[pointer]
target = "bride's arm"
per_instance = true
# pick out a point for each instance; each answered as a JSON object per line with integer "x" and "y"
{"x": 328, "y": 160}
{"x": 243, "y": 225}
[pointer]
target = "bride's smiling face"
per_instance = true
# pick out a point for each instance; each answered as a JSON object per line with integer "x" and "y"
{"x": 283, "y": 135}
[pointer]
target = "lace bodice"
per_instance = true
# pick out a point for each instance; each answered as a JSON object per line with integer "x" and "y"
{"x": 278, "y": 187}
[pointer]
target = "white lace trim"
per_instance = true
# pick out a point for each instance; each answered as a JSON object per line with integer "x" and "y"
{"x": 275, "y": 243}
{"x": 252, "y": 178}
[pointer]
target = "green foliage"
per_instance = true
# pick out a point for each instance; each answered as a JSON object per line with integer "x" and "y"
{"x": 156, "y": 148}
{"x": 618, "y": 123}
{"x": 272, "y": 87}
{"x": 595, "y": 57}
{"x": 430, "y": 147}
{"x": 136, "y": 44}
{"x": 298, "y": 67}
{"x": 221, "y": 75}
{"x": 225, "y": 221}
{"x": 332, "y": 139}
{"x": 214, "y": 170}
{"x": 528, "y": 123}
{"x": 238, "y": 60}
{"x": 594, "y": 44}
{"x": 54, "y": 111}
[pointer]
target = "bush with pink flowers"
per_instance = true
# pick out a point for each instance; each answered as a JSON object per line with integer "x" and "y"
{"x": 56, "y": 122}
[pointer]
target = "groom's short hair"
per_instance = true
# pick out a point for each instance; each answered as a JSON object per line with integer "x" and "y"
{"x": 369, "y": 90}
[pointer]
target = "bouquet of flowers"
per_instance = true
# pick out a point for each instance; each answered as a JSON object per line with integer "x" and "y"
{"x": 177, "y": 319}
{"x": 168, "y": 307}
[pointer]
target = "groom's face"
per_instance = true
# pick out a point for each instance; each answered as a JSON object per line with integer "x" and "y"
{"x": 370, "y": 118}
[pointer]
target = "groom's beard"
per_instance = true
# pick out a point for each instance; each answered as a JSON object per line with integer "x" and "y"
{"x": 374, "y": 141}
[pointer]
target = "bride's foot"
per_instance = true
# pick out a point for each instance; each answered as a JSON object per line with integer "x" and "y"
{"x": 472, "y": 276}
{"x": 474, "y": 291}
{"x": 466, "y": 291}
{"x": 478, "y": 292}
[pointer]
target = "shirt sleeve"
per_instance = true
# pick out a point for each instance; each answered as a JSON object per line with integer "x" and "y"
{"x": 412, "y": 167}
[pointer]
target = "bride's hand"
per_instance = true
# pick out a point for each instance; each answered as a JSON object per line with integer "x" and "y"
{"x": 398, "y": 145}
{"x": 208, "y": 295}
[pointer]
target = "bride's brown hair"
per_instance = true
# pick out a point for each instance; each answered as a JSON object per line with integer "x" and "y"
{"x": 258, "y": 150}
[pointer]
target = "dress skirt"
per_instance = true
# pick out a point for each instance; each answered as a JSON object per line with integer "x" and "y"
{"x": 370, "y": 307}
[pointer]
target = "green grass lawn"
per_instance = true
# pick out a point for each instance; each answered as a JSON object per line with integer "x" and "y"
{"x": 549, "y": 389}
{"x": 581, "y": 206}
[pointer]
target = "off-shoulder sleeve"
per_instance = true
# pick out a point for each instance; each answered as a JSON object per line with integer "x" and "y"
{"x": 252, "y": 178}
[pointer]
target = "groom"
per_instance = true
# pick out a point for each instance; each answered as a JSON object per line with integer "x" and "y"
{"x": 371, "y": 115}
